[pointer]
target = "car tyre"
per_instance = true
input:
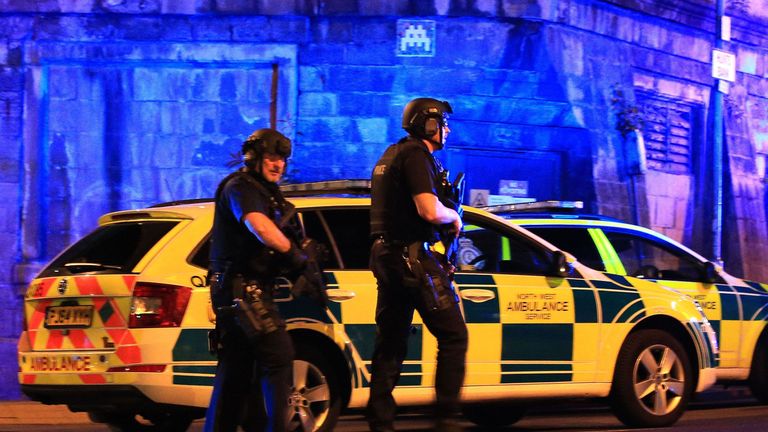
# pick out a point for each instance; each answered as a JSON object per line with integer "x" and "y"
{"x": 493, "y": 415}
{"x": 653, "y": 380}
{"x": 758, "y": 376}
{"x": 315, "y": 401}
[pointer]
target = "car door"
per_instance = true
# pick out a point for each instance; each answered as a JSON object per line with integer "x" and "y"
{"x": 522, "y": 322}
{"x": 351, "y": 285}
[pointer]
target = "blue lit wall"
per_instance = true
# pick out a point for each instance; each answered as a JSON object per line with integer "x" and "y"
{"x": 116, "y": 104}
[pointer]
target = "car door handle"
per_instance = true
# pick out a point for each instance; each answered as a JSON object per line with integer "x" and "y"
{"x": 339, "y": 295}
{"x": 477, "y": 295}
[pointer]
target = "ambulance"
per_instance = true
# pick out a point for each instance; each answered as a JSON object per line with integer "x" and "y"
{"x": 736, "y": 308}
{"x": 116, "y": 325}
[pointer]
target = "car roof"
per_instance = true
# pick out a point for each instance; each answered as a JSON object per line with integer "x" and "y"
{"x": 557, "y": 213}
{"x": 341, "y": 194}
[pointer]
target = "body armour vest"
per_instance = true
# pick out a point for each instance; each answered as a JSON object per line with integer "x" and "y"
{"x": 233, "y": 245}
{"x": 393, "y": 211}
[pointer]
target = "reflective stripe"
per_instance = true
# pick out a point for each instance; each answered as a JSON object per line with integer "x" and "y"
{"x": 607, "y": 252}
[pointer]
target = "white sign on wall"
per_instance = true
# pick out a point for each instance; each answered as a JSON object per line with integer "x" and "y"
{"x": 516, "y": 188}
{"x": 723, "y": 65}
{"x": 478, "y": 197}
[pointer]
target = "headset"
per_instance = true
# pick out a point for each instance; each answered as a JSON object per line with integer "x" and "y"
{"x": 431, "y": 126}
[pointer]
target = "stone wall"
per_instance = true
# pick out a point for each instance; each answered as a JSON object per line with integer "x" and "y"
{"x": 115, "y": 104}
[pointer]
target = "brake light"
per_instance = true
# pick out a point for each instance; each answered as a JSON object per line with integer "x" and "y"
{"x": 138, "y": 368}
{"x": 158, "y": 305}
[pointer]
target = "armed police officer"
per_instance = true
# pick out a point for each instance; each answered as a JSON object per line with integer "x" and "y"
{"x": 406, "y": 214}
{"x": 251, "y": 245}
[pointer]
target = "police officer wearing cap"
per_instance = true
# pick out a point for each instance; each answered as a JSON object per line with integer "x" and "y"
{"x": 405, "y": 214}
{"x": 249, "y": 248}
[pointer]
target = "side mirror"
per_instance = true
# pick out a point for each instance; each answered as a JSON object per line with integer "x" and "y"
{"x": 559, "y": 265}
{"x": 710, "y": 272}
{"x": 649, "y": 272}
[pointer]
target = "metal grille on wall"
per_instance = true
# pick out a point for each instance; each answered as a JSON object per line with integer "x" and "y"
{"x": 670, "y": 126}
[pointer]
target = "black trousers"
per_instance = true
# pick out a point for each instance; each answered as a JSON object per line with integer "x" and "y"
{"x": 253, "y": 381}
{"x": 394, "y": 314}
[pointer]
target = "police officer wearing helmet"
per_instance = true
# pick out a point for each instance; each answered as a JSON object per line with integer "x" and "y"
{"x": 405, "y": 213}
{"x": 250, "y": 246}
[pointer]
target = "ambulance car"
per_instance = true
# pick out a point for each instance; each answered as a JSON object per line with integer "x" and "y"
{"x": 116, "y": 325}
{"x": 736, "y": 308}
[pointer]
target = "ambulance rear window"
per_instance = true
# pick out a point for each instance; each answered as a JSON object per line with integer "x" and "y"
{"x": 114, "y": 248}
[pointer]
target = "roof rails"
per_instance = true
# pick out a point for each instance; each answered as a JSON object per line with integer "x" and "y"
{"x": 538, "y": 206}
{"x": 547, "y": 210}
{"x": 330, "y": 187}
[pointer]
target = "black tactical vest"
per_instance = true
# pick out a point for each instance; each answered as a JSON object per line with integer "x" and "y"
{"x": 234, "y": 246}
{"x": 393, "y": 211}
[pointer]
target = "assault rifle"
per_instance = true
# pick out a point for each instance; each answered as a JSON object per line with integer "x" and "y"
{"x": 450, "y": 195}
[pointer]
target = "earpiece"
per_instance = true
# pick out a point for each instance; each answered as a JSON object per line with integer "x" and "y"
{"x": 249, "y": 158}
{"x": 431, "y": 127}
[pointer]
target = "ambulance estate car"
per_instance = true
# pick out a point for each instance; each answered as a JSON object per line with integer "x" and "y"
{"x": 736, "y": 308}
{"x": 117, "y": 325}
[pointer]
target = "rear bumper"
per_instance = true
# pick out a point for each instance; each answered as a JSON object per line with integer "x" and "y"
{"x": 101, "y": 398}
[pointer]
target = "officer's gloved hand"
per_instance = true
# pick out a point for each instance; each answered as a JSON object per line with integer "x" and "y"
{"x": 295, "y": 260}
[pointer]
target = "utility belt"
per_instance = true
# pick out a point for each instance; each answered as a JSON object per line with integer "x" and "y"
{"x": 251, "y": 306}
{"x": 404, "y": 244}
{"x": 426, "y": 276}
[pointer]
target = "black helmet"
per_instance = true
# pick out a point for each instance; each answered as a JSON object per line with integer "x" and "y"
{"x": 424, "y": 117}
{"x": 265, "y": 141}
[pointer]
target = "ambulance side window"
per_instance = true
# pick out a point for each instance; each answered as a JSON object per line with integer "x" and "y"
{"x": 484, "y": 248}
{"x": 348, "y": 241}
{"x": 574, "y": 240}
{"x": 644, "y": 257}
{"x": 200, "y": 255}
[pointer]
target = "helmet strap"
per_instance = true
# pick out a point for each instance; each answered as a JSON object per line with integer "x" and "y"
{"x": 439, "y": 144}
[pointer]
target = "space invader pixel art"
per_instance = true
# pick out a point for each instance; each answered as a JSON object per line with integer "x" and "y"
{"x": 415, "y": 38}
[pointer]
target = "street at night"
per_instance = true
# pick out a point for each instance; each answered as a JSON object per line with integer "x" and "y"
{"x": 714, "y": 411}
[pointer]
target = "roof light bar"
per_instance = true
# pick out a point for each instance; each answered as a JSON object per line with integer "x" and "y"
{"x": 535, "y": 206}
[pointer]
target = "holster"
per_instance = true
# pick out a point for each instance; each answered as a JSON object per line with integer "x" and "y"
{"x": 251, "y": 313}
{"x": 430, "y": 280}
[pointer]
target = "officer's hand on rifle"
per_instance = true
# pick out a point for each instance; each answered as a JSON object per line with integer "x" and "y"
{"x": 295, "y": 260}
{"x": 309, "y": 282}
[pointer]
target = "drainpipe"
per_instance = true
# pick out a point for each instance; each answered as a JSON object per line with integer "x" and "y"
{"x": 717, "y": 144}
{"x": 637, "y": 172}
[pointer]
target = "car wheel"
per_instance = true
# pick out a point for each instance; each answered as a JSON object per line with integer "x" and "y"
{"x": 493, "y": 414}
{"x": 653, "y": 381}
{"x": 758, "y": 376}
{"x": 315, "y": 401}
{"x": 131, "y": 422}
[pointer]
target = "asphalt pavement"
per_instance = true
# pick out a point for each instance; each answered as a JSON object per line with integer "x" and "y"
{"x": 27, "y": 412}
{"x": 35, "y": 413}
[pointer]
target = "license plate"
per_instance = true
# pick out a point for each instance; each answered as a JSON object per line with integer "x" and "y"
{"x": 68, "y": 316}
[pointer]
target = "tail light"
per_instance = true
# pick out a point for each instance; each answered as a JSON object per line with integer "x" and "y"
{"x": 158, "y": 305}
